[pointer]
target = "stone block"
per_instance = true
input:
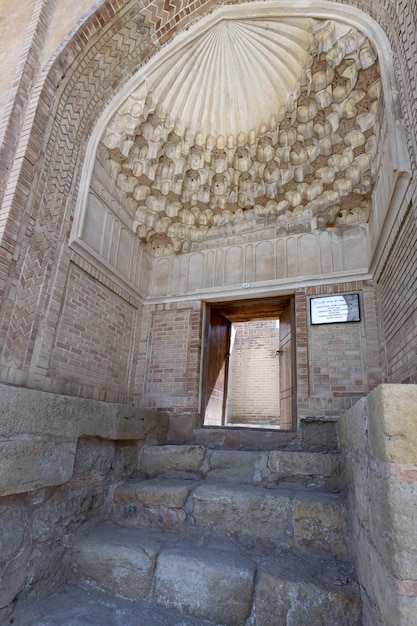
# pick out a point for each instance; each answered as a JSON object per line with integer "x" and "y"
{"x": 280, "y": 600}
{"x": 27, "y": 411}
{"x": 380, "y": 602}
{"x": 320, "y": 526}
{"x": 155, "y": 492}
{"x": 393, "y": 523}
{"x": 246, "y": 510}
{"x": 94, "y": 455}
{"x": 236, "y": 465}
{"x": 122, "y": 563}
{"x": 407, "y": 610}
{"x": 206, "y": 583}
{"x": 60, "y": 510}
{"x": 26, "y": 465}
{"x": 353, "y": 426}
{"x": 392, "y": 423}
{"x": 319, "y": 434}
{"x": 12, "y": 529}
{"x": 360, "y": 476}
{"x": 156, "y": 459}
{"x": 13, "y": 573}
{"x": 303, "y": 463}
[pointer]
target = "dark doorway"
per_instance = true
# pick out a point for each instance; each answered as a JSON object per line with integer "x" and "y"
{"x": 236, "y": 378}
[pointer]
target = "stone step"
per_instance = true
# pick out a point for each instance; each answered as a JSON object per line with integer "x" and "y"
{"x": 293, "y": 517}
{"x": 79, "y": 605}
{"x": 219, "y": 581}
{"x": 191, "y": 461}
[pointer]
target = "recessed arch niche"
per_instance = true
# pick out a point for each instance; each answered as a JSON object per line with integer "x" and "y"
{"x": 257, "y": 124}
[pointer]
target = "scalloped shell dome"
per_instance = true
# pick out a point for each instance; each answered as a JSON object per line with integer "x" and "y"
{"x": 251, "y": 124}
{"x": 240, "y": 72}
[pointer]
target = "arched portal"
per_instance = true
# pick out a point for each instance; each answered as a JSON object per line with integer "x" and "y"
{"x": 256, "y": 124}
{"x": 297, "y": 193}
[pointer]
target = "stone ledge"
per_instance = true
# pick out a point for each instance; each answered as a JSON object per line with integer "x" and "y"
{"x": 29, "y": 465}
{"x": 392, "y": 423}
{"x": 31, "y": 412}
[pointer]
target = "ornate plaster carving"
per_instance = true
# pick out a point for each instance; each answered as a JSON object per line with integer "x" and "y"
{"x": 256, "y": 124}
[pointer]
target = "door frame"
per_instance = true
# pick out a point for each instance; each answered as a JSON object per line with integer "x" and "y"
{"x": 253, "y": 309}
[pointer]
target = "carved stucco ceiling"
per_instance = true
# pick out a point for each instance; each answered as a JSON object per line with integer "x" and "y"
{"x": 254, "y": 124}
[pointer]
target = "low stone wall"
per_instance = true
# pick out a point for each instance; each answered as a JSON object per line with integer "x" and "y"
{"x": 59, "y": 459}
{"x": 378, "y": 438}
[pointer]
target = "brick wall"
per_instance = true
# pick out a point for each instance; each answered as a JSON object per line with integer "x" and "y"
{"x": 397, "y": 290}
{"x": 254, "y": 373}
{"x": 170, "y": 352}
{"x": 93, "y": 346}
{"x": 336, "y": 363}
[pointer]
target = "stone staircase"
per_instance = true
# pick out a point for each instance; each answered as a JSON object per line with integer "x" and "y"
{"x": 211, "y": 537}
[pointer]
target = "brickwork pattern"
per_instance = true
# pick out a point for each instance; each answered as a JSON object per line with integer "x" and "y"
{"x": 254, "y": 372}
{"x": 398, "y": 302}
{"x": 169, "y": 340}
{"x": 94, "y": 335}
{"x": 173, "y": 352}
{"x": 41, "y": 232}
{"x": 336, "y": 363}
{"x": 20, "y": 93}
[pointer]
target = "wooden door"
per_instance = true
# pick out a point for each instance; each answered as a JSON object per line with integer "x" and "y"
{"x": 217, "y": 353}
{"x": 286, "y": 369}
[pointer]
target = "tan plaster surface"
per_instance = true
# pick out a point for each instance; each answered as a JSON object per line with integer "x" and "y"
{"x": 65, "y": 17}
{"x": 14, "y": 21}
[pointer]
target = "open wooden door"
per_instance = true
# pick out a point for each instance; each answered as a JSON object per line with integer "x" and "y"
{"x": 286, "y": 368}
{"x": 220, "y": 317}
{"x": 215, "y": 383}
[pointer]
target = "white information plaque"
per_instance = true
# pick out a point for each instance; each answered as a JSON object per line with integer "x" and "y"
{"x": 335, "y": 309}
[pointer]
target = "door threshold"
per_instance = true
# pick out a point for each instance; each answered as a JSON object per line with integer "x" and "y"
{"x": 243, "y": 438}
{"x": 249, "y": 426}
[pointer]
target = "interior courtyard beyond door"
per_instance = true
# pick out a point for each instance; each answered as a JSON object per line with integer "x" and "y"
{"x": 248, "y": 373}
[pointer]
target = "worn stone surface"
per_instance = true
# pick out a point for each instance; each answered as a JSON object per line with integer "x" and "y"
{"x": 378, "y": 441}
{"x": 13, "y": 573}
{"x": 407, "y": 610}
{"x": 320, "y": 526}
{"x": 58, "y": 511}
{"x": 245, "y": 510}
{"x": 234, "y": 465}
{"x": 352, "y": 428}
{"x": 297, "y": 603}
{"x": 394, "y": 514}
{"x": 392, "y": 421}
{"x": 154, "y": 460}
{"x": 26, "y": 411}
{"x": 319, "y": 434}
{"x": 211, "y": 584}
{"x": 155, "y": 492}
{"x": 379, "y": 601}
{"x": 29, "y": 465}
{"x": 94, "y": 455}
{"x": 12, "y": 529}
{"x": 76, "y": 606}
{"x": 303, "y": 463}
{"x": 119, "y": 564}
